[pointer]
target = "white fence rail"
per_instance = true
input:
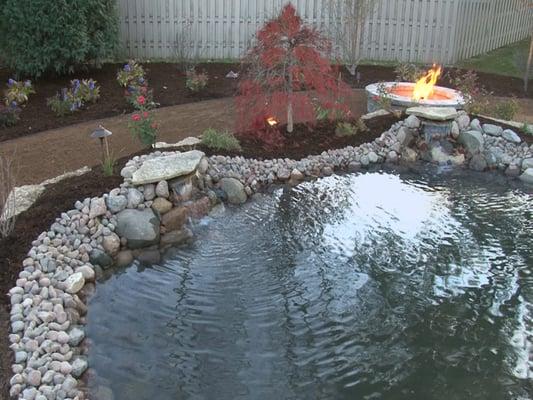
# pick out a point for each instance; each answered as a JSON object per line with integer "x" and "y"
{"x": 443, "y": 31}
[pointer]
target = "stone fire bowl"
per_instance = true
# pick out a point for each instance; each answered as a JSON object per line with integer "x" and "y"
{"x": 399, "y": 94}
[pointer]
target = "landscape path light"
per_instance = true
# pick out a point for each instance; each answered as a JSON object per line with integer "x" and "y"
{"x": 102, "y": 134}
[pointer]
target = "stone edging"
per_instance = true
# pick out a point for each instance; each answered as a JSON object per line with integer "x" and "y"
{"x": 48, "y": 308}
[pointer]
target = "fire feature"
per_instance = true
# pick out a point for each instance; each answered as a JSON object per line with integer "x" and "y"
{"x": 425, "y": 87}
{"x": 403, "y": 95}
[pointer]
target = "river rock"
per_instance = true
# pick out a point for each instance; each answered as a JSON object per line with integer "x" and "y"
{"x": 135, "y": 198}
{"x": 433, "y": 113}
{"x": 116, "y": 204}
{"x": 475, "y": 125}
{"x": 124, "y": 258}
{"x": 175, "y": 238}
{"x": 161, "y": 190}
{"x": 472, "y": 140}
{"x": 492, "y": 130}
{"x": 511, "y": 136}
{"x": 97, "y": 207}
{"x": 161, "y": 205}
{"x": 76, "y": 335}
{"x": 75, "y": 283}
{"x": 234, "y": 190}
{"x": 87, "y": 272}
{"x": 149, "y": 192}
{"x": 79, "y": 366}
{"x": 463, "y": 121}
{"x": 139, "y": 227}
{"x": 412, "y": 122}
{"x": 527, "y": 176}
{"x": 478, "y": 163}
{"x": 151, "y": 256}
{"x": 101, "y": 258}
{"x": 175, "y": 218}
{"x": 167, "y": 167}
{"x": 111, "y": 243}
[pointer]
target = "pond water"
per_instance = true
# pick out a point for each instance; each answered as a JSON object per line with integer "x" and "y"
{"x": 380, "y": 285}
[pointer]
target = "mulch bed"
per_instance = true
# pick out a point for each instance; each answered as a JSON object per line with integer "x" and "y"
{"x": 168, "y": 83}
{"x": 305, "y": 140}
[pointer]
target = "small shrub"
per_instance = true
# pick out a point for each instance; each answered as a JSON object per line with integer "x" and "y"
{"x": 88, "y": 91}
{"x": 344, "y": 129}
{"x": 108, "y": 165}
{"x": 18, "y": 92}
{"x": 144, "y": 127}
{"x": 132, "y": 78}
{"x": 74, "y": 98}
{"x": 383, "y": 99}
{"x": 527, "y": 129}
{"x": 9, "y": 115}
{"x": 474, "y": 94}
{"x": 216, "y": 140}
{"x": 408, "y": 72}
{"x": 196, "y": 82}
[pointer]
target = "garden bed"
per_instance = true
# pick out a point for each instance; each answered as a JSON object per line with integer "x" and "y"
{"x": 168, "y": 83}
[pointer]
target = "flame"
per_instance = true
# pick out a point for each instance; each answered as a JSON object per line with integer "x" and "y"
{"x": 425, "y": 86}
{"x": 271, "y": 121}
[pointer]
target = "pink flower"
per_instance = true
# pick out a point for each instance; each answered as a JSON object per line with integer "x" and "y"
{"x": 141, "y": 100}
{"x": 145, "y": 115}
{"x": 136, "y": 117}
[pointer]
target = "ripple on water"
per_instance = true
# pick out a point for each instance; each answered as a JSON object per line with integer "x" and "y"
{"x": 368, "y": 286}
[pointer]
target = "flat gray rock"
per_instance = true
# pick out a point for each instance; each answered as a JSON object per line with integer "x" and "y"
{"x": 434, "y": 113}
{"x": 167, "y": 167}
{"x": 140, "y": 228}
{"x": 492, "y": 130}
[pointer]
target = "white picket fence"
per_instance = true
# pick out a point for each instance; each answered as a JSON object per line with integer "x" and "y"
{"x": 442, "y": 31}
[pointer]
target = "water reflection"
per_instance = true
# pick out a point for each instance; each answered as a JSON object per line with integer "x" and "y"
{"x": 370, "y": 286}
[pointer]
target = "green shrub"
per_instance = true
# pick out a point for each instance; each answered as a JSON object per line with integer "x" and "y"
{"x": 213, "y": 139}
{"x": 345, "y": 129}
{"x": 9, "y": 115}
{"x": 408, "y": 72}
{"x": 39, "y": 36}
{"x": 74, "y": 98}
{"x": 196, "y": 82}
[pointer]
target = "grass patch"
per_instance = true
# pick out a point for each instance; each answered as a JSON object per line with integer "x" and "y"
{"x": 216, "y": 140}
{"x": 509, "y": 60}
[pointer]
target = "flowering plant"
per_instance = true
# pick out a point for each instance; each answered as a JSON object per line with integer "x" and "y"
{"x": 74, "y": 98}
{"x": 144, "y": 127}
{"x": 195, "y": 81}
{"x": 9, "y": 114}
{"x": 132, "y": 78}
{"x": 18, "y": 92}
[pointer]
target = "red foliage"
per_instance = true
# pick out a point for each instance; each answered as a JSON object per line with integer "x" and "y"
{"x": 288, "y": 61}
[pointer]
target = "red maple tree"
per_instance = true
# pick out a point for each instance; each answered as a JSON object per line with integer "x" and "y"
{"x": 289, "y": 75}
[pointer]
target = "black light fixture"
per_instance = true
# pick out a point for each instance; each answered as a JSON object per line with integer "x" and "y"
{"x": 102, "y": 134}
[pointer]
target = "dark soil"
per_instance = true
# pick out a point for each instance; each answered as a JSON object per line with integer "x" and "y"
{"x": 305, "y": 140}
{"x": 168, "y": 83}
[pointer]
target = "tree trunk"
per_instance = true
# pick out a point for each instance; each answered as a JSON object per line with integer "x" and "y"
{"x": 290, "y": 118}
{"x": 528, "y": 66}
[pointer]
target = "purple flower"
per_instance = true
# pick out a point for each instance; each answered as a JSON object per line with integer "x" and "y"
{"x": 11, "y": 82}
{"x": 91, "y": 84}
{"x": 141, "y": 80}
{"x": 27, "y": 84}
{"x": 127, "y": 68}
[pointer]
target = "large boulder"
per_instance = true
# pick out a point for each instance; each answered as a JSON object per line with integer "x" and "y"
{"x": 167, "y": 167}
{"x": 527, "y": 176}
{"x": 234, "y": 190}
{"x": 139, "y": 227}
{"x": 472, "y": 141}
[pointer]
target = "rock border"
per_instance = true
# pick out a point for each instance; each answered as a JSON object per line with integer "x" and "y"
{"x": 48, "y": 305}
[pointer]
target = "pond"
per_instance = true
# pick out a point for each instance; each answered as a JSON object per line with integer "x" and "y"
{"x": 379, "y": 285}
